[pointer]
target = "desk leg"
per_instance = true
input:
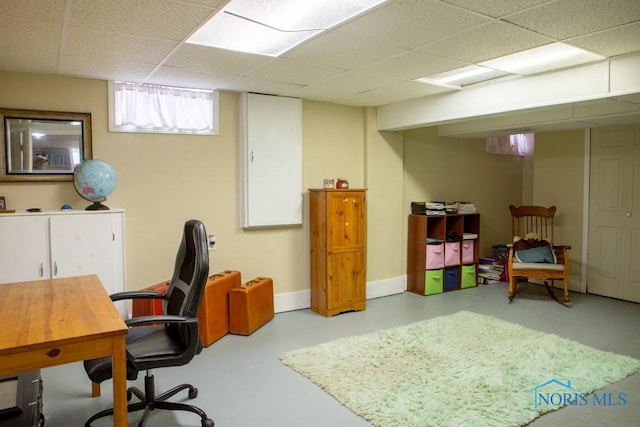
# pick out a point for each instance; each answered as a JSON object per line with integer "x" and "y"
{"x": 119, "y": 382}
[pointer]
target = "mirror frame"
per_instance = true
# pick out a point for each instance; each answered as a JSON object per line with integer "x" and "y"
{"x": 84, "y": 118}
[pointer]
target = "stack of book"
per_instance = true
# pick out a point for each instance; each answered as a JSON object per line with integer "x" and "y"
{"x": 490, "y": 271}
{"x": 436, "y": 208}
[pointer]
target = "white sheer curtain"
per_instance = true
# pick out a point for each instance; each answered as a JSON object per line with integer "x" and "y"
{"x": 515, "y": 144}
{"x": 519, "y": 144}
{"x": 154, "y": 108}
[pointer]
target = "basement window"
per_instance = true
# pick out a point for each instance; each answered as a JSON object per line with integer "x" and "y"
{"x": 147, "y": 108}
{"x": 515, "y": 144}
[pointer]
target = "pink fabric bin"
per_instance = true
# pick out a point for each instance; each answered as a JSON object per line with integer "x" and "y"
{"x": 451, "y": 254}
{"x": 467, "y": 252}
{"x": 435, "y": 256}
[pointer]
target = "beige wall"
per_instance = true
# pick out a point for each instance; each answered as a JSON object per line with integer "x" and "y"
{"x": 384, "y": 181}
{"x": 449, "y": 169}
{"x": 167, "y": 179}
{"x": 558, "y": 171}
{"x": 164, "y": 180}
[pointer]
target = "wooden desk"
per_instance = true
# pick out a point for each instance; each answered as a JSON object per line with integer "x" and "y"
{"x": 50, "y": 322}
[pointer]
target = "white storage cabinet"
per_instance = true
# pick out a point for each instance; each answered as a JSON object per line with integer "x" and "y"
{"x": 44, "y": 245}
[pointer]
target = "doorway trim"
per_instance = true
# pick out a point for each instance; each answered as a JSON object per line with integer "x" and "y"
{"x": 585, "y": 211}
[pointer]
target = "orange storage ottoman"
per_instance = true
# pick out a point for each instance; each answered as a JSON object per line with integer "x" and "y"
{"x": 251, "y": 306}
{"x": 213, "y": 316}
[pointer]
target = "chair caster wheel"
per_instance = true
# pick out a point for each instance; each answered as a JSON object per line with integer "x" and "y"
{"x": 193, "y": 393}
{"x": 207, "y": 423}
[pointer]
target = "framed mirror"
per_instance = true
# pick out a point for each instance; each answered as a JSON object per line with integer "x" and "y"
{"x": 43, "y": 145}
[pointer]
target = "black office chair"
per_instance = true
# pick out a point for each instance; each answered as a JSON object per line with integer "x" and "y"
{"x": 172, "y": 342}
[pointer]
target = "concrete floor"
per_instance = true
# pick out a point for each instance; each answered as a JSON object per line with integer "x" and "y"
{"x": 241, "y": 382}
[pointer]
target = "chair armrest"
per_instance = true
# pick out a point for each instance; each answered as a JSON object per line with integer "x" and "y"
{"x": 561, "y": 253}
{"x": 145, "y": 320}
{"x": 119, "y": 296}
{"x": 561, "y": 247}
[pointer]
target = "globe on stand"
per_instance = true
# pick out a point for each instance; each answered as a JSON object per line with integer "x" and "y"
{"x": 94, "y": 180}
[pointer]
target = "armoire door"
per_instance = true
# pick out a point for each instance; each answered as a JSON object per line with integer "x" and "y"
{"x": 346, "y": 245}
{"x": 346, "y": 219}
{"x": 614, "y": 213}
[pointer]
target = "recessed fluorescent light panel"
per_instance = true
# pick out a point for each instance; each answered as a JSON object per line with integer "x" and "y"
{"x": 272, "y": 27}
{"x": 544, "y": 58}
{"x": 464, "y": 76}
{"x": 537, "y": 60}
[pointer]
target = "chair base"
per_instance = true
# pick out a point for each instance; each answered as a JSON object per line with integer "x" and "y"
{"x": 149, "y": 402}
{"x": 513, "y": 290}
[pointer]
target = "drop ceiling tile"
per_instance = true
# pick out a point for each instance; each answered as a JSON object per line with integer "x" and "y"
{"x": 368, "y": 100}
{"x": 116, "y": 47}
{"x": 496, "y": 8}
{"x": 106, "y": 70}
{"x": 393, "y": 93}
{"x": 162, "y": 19}
{"x": 355, "y": 64}
{"x": 214, "y": 4}
{"x": 30, "y": 36}
{"x": 342, "y": 50}
{"x": 410, "y": 89}
{"x": 486, "y": 42}
{"x": 188, "y": 78}
{"x": 618, "y": 41}
{"x": 43, "y": 10}
{"x": 298, "y": 73}
{"x": 251, "y": 84}
{"x": 212, "y": 60}
{"x": 567, "y": 18}
{"x": 411, "y": 23}
{"x": 412, "y": 65}
{"x": 343, "y": 85}
{"x": 19, "y": 60}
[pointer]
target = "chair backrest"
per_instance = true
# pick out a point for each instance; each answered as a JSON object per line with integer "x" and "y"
{"x": 533, "y": 219}
{"x": 189, "y": 278}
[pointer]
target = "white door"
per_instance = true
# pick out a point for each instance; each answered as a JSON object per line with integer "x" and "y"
{"x": 24, "y": 250}
{"x": 613, "y": 269}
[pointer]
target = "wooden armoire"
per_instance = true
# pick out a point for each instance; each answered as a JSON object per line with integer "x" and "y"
{"x": 338, "y": 245}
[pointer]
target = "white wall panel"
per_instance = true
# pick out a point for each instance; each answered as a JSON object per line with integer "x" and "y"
{"x": 271, "y": 160}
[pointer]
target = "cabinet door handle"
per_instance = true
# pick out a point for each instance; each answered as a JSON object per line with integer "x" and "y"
{"x": 55, "y": 268}
{"x": 41, "y": 269}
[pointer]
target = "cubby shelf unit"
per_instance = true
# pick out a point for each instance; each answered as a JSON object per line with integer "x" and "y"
{"x": 457, "y": 274}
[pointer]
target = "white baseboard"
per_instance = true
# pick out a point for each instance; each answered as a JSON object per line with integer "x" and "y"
{"x": 386, "y": 287}
{"x": 290, "y": 301}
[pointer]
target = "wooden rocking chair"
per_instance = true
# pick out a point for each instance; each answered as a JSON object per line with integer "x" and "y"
{"x": 533, "y": 254}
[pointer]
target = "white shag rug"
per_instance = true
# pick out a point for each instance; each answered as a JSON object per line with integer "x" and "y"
{"x": 464, "y": 369}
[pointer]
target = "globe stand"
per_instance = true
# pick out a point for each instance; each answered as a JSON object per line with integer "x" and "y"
{"x": 97, "y": 206}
